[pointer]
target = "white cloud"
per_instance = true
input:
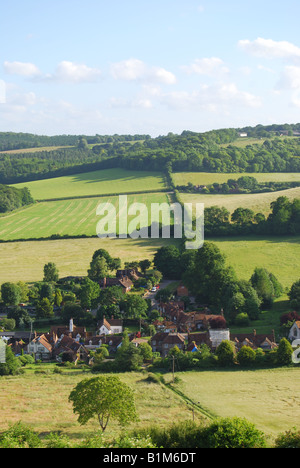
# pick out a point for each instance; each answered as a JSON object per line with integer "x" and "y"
{"x": 290, "y": 78}
{"x": 75, "y": 73}
{"x": 212, "y": 98}
{"x": 137, "y": 103}
{"x": 267, "y": 48}
{"x": 213, "y": 66}
{"x": 136, "y": 70}
{"x": 66, "y": 71}
{"x": 21, "y": 68}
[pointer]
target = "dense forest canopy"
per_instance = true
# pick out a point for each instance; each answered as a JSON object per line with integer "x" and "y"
{"x": 214, "y": 151}
{"x": 12, "y": 198}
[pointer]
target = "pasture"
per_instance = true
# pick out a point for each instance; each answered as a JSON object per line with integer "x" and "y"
{"x": 25, "y": 260}
{"x": 258, "y": 202}
{"x": 41, "y": 401}
{"x": 267, "y": 398}
{"x": 279, "y": 255}
{"x": 105, "y": 182}
{"x": 207, "y": 178}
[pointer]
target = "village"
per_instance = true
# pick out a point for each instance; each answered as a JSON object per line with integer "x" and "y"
{"x": 174, "y": 326}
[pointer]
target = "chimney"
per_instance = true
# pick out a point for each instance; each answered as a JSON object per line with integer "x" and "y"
{"x": 71, "y": 326}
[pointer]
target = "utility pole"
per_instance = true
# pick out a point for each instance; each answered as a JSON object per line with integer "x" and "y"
{"x": 173, "y": 369}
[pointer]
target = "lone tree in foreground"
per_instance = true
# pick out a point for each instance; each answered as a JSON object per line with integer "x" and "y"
{"x": 104, "y": 397}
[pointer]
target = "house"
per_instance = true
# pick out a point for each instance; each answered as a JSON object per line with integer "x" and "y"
{"x": 111, "y": 341}
{"x": 294, "y": 333}
{"x": 254, "y": 340}
{"x": 72, "y": 330}
{"x": 111, "y": 327}
{"x": 182, "y": 291}
{"x": 198, "y": 339}
{"x": 171, "y": 310}
{"x": 42, "y": 347}
{"x": 68, "y": 349}
{"x": 123, "y": 281}
{"x": 131, "y": 273}
{"x": 165, "y": 326}
{"x": 218, "y": 336}
{"x": 163, "y": 342}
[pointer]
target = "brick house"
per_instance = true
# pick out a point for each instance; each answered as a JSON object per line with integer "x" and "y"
{"x": 264, "y": 341}
{"x": 163, "y": 342}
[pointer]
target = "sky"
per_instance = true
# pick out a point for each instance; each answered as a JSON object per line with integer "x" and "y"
{"x": 147, "y": 66}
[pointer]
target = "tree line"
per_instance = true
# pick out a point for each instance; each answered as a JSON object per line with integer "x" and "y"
{"x": 244, "y": 184}
{"x": 213, "y": 151}
{"x": 284, "y": 219}
{"x": 12, "y": 198}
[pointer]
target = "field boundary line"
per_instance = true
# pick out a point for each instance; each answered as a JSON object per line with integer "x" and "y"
{"x": 196, "y": 406}
{"x": 79, "y": 197}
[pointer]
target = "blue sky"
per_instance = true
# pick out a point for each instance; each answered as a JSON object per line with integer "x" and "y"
{"x": 148, "y": 66}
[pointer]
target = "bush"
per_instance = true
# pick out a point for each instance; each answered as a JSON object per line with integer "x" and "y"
{"x": 284, "y": 353}
{"x": 226, "y": 353}
{"x": 181, "y": 435}
{"x": 232, "y": 433}
{"x": 290, "y": 439}
{"x": 56, "y": 440}
{"x": 19, "y": 436}
{"x": 246, "y": 356}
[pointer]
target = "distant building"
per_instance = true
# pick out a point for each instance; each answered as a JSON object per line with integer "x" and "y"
{"x": 253, "y": 340}
{"x": 110, "y": 327}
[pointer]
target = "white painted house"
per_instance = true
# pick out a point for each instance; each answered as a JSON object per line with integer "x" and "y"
{"x": 294, "y": 333}
{"x": 110, "y": 327}
{"x": 217, "y": 336}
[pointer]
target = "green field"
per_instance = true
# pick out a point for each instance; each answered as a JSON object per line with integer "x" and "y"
{"x": 25, "y": 260}
{"x": 267, "y": 398}
{"x": 74, "y": 217}
{"x": 258, "y": 202}
{"x": 105, "y": 182}
{"x": 279, "y": 255}
{"x": 41, "y": 401}
{"x": 208, "y": 178}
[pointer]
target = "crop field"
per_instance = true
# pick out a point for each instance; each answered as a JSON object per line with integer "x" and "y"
{"x": 34, "y": 150}
{"x": 41, "y": 401}
{"x": 267, "y": 398}
{"x": 258, "y": 202}
{"x": 73, "y": 217}
{"x": 106, "y": 182}
{"x": 207, "y": 178}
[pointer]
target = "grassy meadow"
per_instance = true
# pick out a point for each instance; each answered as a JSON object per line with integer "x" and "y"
{"x": 267, "y": 398}
{"x": 207, "y": 178}
{"x": 24, "y": 261}
{"x": 279, "y": 255}
{"x": 105, "y": 182}
{"x": 41, "y": 401}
